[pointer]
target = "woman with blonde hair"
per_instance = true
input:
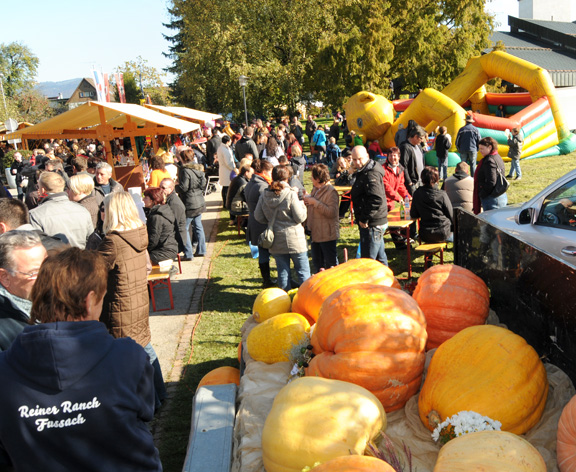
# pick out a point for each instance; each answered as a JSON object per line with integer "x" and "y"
{"x": 80, "y": 188}
{"x": 125, "y": 311}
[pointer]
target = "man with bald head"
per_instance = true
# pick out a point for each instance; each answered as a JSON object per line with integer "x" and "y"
{"x": 369, "y": 203}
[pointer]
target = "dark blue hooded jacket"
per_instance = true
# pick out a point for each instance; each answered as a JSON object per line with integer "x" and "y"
{"x": 75, "y": 398}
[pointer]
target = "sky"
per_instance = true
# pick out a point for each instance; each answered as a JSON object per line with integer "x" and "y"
{"x": 72, "y": 37}
{"x": 501, "y": 9}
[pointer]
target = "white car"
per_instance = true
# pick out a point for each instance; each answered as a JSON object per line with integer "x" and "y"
{"x": 547, "y": 221}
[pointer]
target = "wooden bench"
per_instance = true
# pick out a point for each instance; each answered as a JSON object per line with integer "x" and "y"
{"x": 162, "y": 280}
{"x": 430, "y": 251}
{"x": 211, "y": 432}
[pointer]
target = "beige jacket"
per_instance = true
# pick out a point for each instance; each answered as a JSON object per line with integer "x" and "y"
{"x": 323, "y": 220}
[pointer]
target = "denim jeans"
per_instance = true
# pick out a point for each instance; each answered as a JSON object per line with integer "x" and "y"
{"x": 491, "y": 203}
{"x": 372, "y": 243}
{"x": 324, "y": 255}
{"x": 159, "y": 386}
{"x": 301, "y": 265}
{"x": 443, "y": 169}
{"x": 197, "y": 237}
{"x": 515, "y": 168}
{"x": 470, "y": 158}
{"x": 263, "y": 255}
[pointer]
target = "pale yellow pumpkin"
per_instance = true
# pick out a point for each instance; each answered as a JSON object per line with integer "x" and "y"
{"x": 272, "y": 340}
{"x": 354, "y": 464}
{"x": 315, "y": 419}
{"x": 489, "y": 451}
{"x": 489, "y": 370}
{"x": 270, "y": 302}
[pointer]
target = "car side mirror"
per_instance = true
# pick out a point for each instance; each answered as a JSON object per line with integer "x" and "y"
{"x": 525, "y": 216}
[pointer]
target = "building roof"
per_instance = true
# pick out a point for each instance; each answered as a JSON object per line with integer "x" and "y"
{"x": 563, "y": 27}
{"x": 547, "y": 44}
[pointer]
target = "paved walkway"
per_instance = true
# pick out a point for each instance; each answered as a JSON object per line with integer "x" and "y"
{"x": 172, "y": 329}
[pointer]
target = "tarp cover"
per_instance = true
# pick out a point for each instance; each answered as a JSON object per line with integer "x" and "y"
{"x": 186, "y": 113}
{"x": 88, "y": 115}
{"x": 261, "y": 382}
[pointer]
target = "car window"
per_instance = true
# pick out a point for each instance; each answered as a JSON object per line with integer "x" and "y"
{"x": 559, "y": 208}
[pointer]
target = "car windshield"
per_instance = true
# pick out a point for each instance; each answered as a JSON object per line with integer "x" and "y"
{"x": 559, "y": 208}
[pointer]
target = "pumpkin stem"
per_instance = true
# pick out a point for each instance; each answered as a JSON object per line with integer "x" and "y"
{"x": 434, "y": 419}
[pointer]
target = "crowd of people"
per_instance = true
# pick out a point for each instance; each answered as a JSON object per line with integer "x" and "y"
{"x": 76, "y": 248}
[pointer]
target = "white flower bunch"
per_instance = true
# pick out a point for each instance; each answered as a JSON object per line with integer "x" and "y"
{"x": 464, "y": 422}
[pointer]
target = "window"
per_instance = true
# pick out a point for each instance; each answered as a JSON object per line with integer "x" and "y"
{"x": 559, "y": 208}
{"x": 87, "y": 94}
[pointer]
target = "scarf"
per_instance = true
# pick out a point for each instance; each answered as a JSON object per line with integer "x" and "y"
{"x": 265, "y": 177}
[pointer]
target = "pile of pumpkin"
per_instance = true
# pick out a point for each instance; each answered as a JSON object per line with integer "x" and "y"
{"x": 369, "y": 340}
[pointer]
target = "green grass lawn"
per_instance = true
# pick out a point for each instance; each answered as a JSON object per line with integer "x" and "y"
{"x": 235, "y": 282}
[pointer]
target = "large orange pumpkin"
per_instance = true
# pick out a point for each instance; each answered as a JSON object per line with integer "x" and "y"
{"x": 452, "y": 298}
{"x": 566, "y": 438}
{"x": 373, "y": 336}
{"x": 489, "y": 370}
{"x": 320, "y": 286}
{"x": 221, "y": 376}
{"x": 354, "y": 464}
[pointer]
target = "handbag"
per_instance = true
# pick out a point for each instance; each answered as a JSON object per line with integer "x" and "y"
{"x": 266, "y": 238}
{"x": 501, "y": 184}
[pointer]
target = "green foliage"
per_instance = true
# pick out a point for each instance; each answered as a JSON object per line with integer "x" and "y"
{"x": 8, "y": 157}
{"x": 139, "y": 74}
{"x": 317, "y": 50}
{"x": 18, "y": 66}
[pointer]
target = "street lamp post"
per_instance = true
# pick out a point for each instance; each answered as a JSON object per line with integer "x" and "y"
{"x": 4, "y": 98}
{"x": 243, "y": 82}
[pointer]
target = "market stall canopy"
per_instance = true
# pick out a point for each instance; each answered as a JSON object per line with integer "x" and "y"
{"x": 4, "y": 131}
{"x": 106, "y": 121}
{"x": 190, "y": 114}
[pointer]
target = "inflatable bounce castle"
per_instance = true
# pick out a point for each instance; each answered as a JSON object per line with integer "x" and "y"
{"x": 537, "y": 113}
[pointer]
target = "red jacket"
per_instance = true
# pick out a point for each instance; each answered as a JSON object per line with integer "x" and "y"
{"x": 394, "y": 185}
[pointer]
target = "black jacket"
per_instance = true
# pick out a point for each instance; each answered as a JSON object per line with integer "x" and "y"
{"x": 487, "y": 174}
{"x": 12, "y": 322}
{"x": 190, "y": 188}
{"x": 212, "y": 146}
{"x": 244, "y": 146}
{"x": 236, "y": 199}
{"x": 179, "y": 210}
{"x": 162, "y": 243}
{"x": 434, "y": 209}
{"x": 408, "y": 161}
{"x": 253, "y": 191}
{"x": 77, "y": 399}
{"x": 442, "y": 144}
{"x": 368, "y": 195}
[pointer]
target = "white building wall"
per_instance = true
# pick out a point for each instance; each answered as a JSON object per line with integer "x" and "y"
{"x": 549, "y": 10}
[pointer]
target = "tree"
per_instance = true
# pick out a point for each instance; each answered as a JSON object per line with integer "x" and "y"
{"x": 33, "y": 107}
{"x": 18, "y": 66}
{"x": 138, "y": 73}
{"x": 307, "y": 50}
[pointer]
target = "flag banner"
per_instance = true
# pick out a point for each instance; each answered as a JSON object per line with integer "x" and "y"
{"x": 99, "y": 82}
{"x": 120, "y": 87}
{"x": 106, "y": 88}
